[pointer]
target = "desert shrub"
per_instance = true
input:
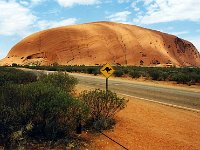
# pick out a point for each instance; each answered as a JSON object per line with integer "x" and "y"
{"x": 181, "y": 78}
{"x": 16, "y": 76}
{"x": 134, "y": 74}
{"x": 118, "y": 73}
{"x": 56, "y": 111}
{"x": 103, "y": 106}
{"x": 161, "y": 74}
{"x": 155, "y": 74}
{"x": 103, "y": 123}
{"x": 13, "y": 116}
{"x": 62, "y": 80}
{"x": 53, "y": 68}
{"x": 126, "y": 70}
{"x": 96, "y": 72}
{"x": 52, "y": 112}
{"x": 164, "y": 76}
{"x": 49, "y": 110}
{"x": 92, "y": 70}
{"x": 195, "y": 77}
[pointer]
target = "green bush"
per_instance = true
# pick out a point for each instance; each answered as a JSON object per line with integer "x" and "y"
{"x": 155, "y": 74}
{"x": 103, "y": 106}
{"x": 163, "y": 76}
{"x": 56, "y": 111}
{"x": 10, "y": 75}
{"x": 195, "y": 77}
{"x": 46, "y": 106}
{"x": 51, "y": 110}
{"x": 91, "y": 70}
{"x": 103, "y": 123}
{"x": 62, "y": 80}
{"x": 181, "y": 78}
{"x": 126, "y": 70}
{"x": 134, "y": 74}
{"x": 13, "y": 114}
{"x": 118, "y": 73}
{"x": 96, "y": 72}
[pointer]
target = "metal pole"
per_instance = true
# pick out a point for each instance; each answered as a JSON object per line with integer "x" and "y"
{"x": 106, "y": 85}
{"x": 78, "y": 125}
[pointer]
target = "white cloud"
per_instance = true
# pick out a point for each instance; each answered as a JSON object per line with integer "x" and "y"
{"x": 120, "y": 16}
{"x": 169, "y": 10}
{"x": 179, "y": 33}
{"x": 134, "y": 6}
{"x": 23, "y": 2}
{"x": 146, "y": 2}
{"x": 30, "y": 3}
{"x": 123, "y": 1}
{"x": 52, "y": 24}
{"x": 15, "y": 18}
{"x": 36, "y": 1}
{"x": 70, "y": 3}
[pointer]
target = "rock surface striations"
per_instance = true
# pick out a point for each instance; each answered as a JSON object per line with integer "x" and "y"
{"x": 100, "y": 43}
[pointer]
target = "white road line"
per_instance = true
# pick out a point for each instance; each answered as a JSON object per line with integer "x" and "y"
{"x": 145, "y": 99}
{"x": 162, "y": 103}
{"x": 139, "y": 83}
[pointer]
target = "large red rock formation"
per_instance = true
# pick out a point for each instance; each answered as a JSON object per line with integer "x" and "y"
{"x": 103, "y": 42}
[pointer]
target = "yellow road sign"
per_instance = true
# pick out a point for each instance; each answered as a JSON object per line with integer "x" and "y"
{"x": 107, "y": 70}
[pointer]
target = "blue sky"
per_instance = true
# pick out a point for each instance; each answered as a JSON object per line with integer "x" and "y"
{"x": 20, "y": 18}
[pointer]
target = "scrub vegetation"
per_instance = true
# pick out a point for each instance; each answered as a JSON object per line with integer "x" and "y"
{"x": 43, "y": 110}
{"x": 185, "y": 75}
{"x": 103, "y": 107}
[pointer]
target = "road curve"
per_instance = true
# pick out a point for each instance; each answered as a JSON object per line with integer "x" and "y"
{"x": 182, "y": 97}
{"x": 172, "y": 96}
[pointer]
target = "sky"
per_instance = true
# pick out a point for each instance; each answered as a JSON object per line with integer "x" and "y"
{"x": 20, "y": 18}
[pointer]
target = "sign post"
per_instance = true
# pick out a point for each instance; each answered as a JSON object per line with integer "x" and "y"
{"x": 106, "y": 85}
{"x": 107, "y": 71}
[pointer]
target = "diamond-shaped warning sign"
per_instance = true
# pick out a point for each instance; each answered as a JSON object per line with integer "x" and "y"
{"x": 107, "y": 70}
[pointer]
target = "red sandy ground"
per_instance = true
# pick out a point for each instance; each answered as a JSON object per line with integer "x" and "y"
{"x": 148, "y": 126}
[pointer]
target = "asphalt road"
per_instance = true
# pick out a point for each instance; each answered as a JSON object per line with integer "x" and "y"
{"x": 181, "y": 97}
{"x": 171, "y": 95}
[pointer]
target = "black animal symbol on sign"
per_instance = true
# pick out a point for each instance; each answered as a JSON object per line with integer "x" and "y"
{"x": 107, "y": 69}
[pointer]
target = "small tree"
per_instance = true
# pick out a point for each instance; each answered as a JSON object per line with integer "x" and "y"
{"x": 103, "y": 106}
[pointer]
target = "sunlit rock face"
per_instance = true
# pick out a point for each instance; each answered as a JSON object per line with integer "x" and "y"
{"x": 103, "y": 42}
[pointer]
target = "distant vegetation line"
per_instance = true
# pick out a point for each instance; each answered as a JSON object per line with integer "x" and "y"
{"x": 185, "y": 75}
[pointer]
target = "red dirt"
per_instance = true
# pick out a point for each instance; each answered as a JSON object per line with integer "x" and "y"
{"x": 145, "y": 125}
